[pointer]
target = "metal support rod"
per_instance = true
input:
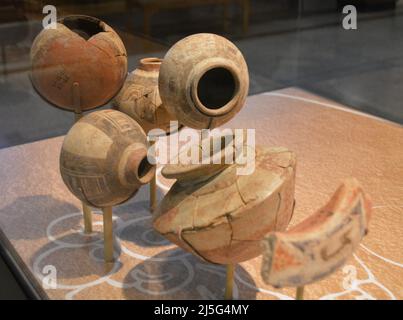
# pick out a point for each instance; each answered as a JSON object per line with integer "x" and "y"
{"x": 87, "y": 218}
{"x": 78, "y": 113}
{"x": 229, "y": 284}
{"x": 153, "y": 186}
{"x": 300, "y": 293}
{"x": 108, "y": 234}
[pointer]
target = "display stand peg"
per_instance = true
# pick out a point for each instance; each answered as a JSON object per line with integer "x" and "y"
{"x": 300, "y": 293}
{"x": 78, "y": 113}
{"x": 108, "y": 234}
{"x": 153, "y": 186}
{"x": 87, "y": 218}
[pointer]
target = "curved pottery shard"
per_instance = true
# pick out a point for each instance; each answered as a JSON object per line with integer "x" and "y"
{"x": 222, "y": 217}
{"x": 321, "y": 243}
{"x": 103, "y": 160}
{"x": 80, "y": 49}
{"x": 204, "y": 81}
{"x": 140, "y": 99}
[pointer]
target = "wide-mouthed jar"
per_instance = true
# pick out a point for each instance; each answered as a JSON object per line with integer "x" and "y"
{"x": 104, "y": 158}
{"x": 204, "y": 80}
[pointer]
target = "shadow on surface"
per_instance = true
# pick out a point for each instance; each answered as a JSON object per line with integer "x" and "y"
{"x": 175, "y": 274}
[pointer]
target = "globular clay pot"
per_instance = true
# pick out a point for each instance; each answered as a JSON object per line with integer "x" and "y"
{"x": 140, "y": 99}
{"x": 320, "y": 244}
{"x": 203, "y": 81}
{"x": 81, "y": 49}
{"x": 221, "y": 216}
{"x": 103, "y": 160}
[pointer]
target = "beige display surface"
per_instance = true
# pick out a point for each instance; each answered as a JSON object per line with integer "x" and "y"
{"x": 41, "y": 222}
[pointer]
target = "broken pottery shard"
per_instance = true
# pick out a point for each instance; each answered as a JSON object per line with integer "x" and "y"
{"x": 103, "y": 160}
{"x": 204, "y": 81}
{"x": 140, "y": 99}
{"x": 321, "y": 243}
{"x": 221, "y": 216}
{"x": 80, "y": 49}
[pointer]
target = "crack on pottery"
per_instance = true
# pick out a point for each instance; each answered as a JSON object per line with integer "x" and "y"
{"x": 277, "y": 210}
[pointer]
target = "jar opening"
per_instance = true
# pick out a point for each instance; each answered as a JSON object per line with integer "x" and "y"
{"x": 151, "y": 61}
{"x": 85, "y": 27}
{"x": 216, "y": 88}
{"x": 144, "y": 168}
{"x": 150, "y": 64}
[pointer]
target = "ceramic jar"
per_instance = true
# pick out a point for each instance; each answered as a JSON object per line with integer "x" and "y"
{"x": 103, "y": 160}
{"x": 320, "y": 244}
{"x": 203, "y": 81}
{"x": 221, "y": 216}
{"x": 140, "y": 99}
{"x": 81, "y": 49}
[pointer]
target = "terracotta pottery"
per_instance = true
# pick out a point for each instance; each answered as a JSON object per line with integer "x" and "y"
{"x": 81, "y": 49}
{"x": 140, "y": 99}
{"x": 320, "y": 244}
{"x": 221, "y": 216}
{"x": 104, "y": 158}
{"x": 203, "y": 81}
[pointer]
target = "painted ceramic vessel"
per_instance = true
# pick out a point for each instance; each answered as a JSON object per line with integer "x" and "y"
{"x": 221, "y": 216}
{"x": 320, "y": 244}
{"x": 81, "y": 49}
{"x": 203, "y": 81}
{"x": 140, "y": 99}
{"x": 103, "y": 160}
